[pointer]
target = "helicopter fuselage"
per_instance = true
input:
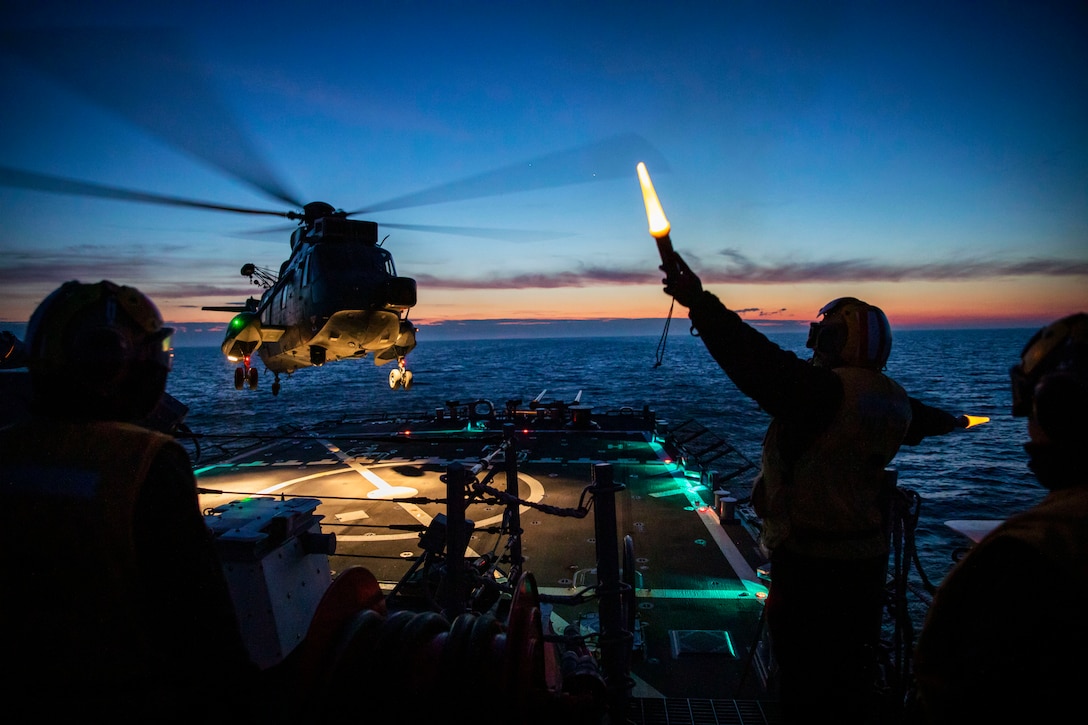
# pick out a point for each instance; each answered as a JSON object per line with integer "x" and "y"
{"x": 337, "y": 296}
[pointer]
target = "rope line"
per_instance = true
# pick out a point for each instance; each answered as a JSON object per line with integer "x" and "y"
{"x": 659, "y": 356}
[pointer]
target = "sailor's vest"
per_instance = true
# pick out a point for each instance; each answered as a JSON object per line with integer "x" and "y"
{"x": 953, "y": 671}
{"x": 68, "y": 494}
{"x": 1055, "y": 527}
{"x": 833, "y": 499}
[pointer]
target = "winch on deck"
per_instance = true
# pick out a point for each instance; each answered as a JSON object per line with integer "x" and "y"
{"x": 275, "y": 559}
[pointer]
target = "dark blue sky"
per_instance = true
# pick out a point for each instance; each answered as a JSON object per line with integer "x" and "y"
{"x": 929, "y": 157}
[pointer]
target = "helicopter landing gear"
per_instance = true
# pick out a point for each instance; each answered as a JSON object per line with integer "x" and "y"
{"x": 276, "y": 385}
{"x": 400, "y": 377}
{"x": 317, "y": 355}
{"x": 244, "y": 374}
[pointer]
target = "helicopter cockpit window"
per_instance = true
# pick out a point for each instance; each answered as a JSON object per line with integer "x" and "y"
{"x": 390, "y": 269}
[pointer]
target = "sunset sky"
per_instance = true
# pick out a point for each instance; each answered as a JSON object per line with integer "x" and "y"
{"x": 928, "y": 157}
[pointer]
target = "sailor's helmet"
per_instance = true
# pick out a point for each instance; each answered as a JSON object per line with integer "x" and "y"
{"x": 851, "y": 332}
{"x": 1050, "y": 383}
{"x": 101, "y": 349}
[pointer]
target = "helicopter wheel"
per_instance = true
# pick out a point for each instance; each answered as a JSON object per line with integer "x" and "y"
{"x": 251, "y": 378}
{"x": 406, "y": 380}
{"x": 395, "y": 376}
{"x": 239, "y": 378}
{"x": 276, "y": 388}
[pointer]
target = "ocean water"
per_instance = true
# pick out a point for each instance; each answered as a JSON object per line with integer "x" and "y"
{"x": 980, "y": 473}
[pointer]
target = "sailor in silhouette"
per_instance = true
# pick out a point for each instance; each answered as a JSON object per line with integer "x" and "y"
{"x": 114, "y": 599}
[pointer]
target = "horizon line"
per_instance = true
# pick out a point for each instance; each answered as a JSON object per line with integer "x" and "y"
{"x": 525, "y": 324}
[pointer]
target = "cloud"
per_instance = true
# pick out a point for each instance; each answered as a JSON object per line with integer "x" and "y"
{"x": 158, "y": 274}
{"x": 94, "y": 263}
{"x": 87, "y": 263}
{"x": 588, "y": 278}
{"x": 739, "y": 269}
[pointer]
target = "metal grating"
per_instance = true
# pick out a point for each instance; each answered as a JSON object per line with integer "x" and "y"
{"x": 680, "y": 711}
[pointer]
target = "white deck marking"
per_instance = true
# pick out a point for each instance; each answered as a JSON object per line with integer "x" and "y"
{"x": 352, "y": 515}
{"x": 278, "y": 486}
{"x": 536, "y": 492}
{"x": 728, "y": 548}
{"x": 385, "y": 490}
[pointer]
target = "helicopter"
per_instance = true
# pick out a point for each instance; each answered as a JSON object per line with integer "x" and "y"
{"x": 338, "y": 295}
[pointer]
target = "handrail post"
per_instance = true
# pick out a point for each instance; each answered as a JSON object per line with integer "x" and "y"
{"x": 615, "y": 641}
{"x": 454, "y": 602}
{"x": 513, "y": 510}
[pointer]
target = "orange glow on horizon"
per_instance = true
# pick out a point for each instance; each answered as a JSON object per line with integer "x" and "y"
{"x": 653, "y": 308}
{"x": 1024, "y": 302}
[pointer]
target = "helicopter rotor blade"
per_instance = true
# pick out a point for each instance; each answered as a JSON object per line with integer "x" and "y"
{"x": 276, "y": 232}
{"x": 506, "y": 235}
{"x": 148, "y": 78}
{"x": 19, "y": 179}
{"x": 611, "y": 158}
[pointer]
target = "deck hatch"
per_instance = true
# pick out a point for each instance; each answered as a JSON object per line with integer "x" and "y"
{"x": 701, "y": 641}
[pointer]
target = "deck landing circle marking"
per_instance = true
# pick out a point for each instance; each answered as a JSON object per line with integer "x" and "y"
{"x": 536, "y": 493}
{"x": 392, "y": 492}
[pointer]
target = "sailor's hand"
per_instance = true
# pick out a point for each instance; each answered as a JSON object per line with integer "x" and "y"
{"x": 962, "y": 422}
{"x": 680, "y": 281}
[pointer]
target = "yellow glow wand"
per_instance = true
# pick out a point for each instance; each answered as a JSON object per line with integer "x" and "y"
{"x": 973, "y": 420}
{"x": 655, "y": 215}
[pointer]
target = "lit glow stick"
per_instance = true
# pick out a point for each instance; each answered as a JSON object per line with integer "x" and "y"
{"x": 655, "y": 215}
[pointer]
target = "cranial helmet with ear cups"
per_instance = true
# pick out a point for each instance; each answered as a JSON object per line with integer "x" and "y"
{"x": 1051, "y": 380}
{"x": 98, "y": 349}
{"x": 852, "y": 333}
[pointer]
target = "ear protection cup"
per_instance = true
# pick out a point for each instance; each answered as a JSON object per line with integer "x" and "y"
{"x": 1051, "y": 380}
{"x": 831, "y": 339}
{"x": 1061, "y": 407}
{"x": 104, "y": 354}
